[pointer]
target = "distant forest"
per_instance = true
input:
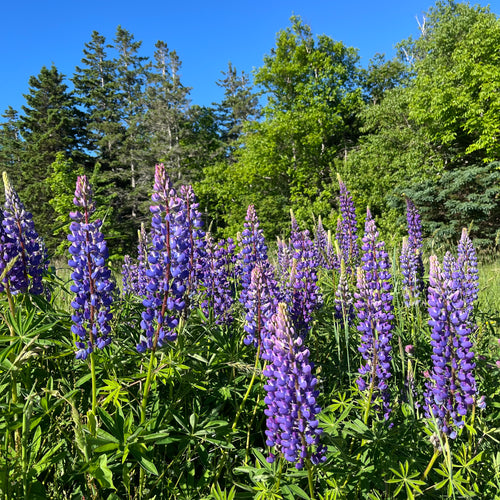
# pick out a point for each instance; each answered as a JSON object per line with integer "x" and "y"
{"x": 425, "y": 124}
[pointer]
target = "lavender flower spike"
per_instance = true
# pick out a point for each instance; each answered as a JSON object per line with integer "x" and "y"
{"x": 347, "y": 229}
{"x": 451, "y": 388}
{"x": 92, "y": 284}
{"x": 412, "y": 266}
{"x": 374, "y": 309}
{"x": 292, "y": 424}
{"x": 21, "y": 239}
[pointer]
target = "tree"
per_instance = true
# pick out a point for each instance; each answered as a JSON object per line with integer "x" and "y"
{"x": 312, "y": 92}
{"x": 11, "y": 146}
{"x": 51, "y": 124}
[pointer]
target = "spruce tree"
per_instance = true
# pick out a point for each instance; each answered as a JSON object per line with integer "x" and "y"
{"x": 51, "y": 124}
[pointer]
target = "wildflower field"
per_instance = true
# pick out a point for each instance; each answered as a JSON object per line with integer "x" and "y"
{"x": 326, "y": 366}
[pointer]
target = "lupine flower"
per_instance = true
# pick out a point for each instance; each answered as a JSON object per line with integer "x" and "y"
{"x": 467, "y": 260}
{"x": 134, "y": 275}
{"x": 451, "y": 388}
{"x": 260, "y": 306}
{"x": 292, "y": 423}
{"x": 92, "y": 279}
{"x": 284, "y": 257}
{"x": 129, "y": 275}
{"x": 374, "y": 310}
{"x": 412, "y": 266}
{"x": 167, "y": 265}
{"x": 21, "y": 239}
{"x": 323, "y": 247}
{"x": 347, "y": 229}
{"x": 301, "y": 289}
{"x": 253, "y": 250}
{"x": 218, "y": 262}
{"x": 195, "y": 239}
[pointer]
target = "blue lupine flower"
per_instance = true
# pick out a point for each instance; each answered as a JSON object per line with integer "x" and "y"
{"x": 292, "y": 423}
{"x": 451, "y": 388}
{"x": 347, "y": 229}
{"x": 374, "y": 310}
{"x": 21, "y": 239}
{"x": 260, "y": 306}
{"x": 412, "y": 266}
{"x": 91, "y": 278}
{"x": 253, "y": 250}
{"x": 167, "y": 270}
{"x": 301, "y": 290}
{"x": 217, "y": 279}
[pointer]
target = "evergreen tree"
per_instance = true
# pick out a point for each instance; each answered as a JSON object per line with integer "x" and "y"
{"x": 11, "y": 146}
{"x": 51, "y": 124}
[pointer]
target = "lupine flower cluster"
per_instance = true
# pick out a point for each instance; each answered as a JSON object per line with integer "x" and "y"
{"x": 167, "y": 270}
{"x": 218, "y": 264}
{"x": 253, "y": 250}
{"x": 92, "y": 279}
{"x": 467, "y": 261}
{"x": 195, "y": 239}
{"x": 412, "y": 267}
{"x": 325, "y": 253}
{"x": 260, "y": 306}
{"x": 347, "y": 229}
{"x": 134, "y": 273}
{"x": 301, "y": 290}
{"x": 374, "y": 310}
{"x": 292, "y": 423}
{"x": 20, "y": 240}
{"x": 451, "y": 387}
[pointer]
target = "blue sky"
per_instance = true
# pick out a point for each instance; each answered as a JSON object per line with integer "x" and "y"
{"x": 206, "y": 35}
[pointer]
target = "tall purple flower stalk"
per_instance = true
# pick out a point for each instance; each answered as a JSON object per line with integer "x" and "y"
{"x": 301, "y": 290}
{"x": 21, "y": 240}
{"x": 195, "y": 242}
{"x": 260, "y": 306}
{"x": 451, "y": 388}
{"x": 292, "y": 423}
{"x": 134, "y": 275}
{"x": 412, "y": 266}
{"x": 344, "y": 307}
{"x": 467, "y": 260}
{"x": 167, "y": 270}
{"x": 374, "y": 310}
{"x": 253, "y": 250}
{"x": 347, "y": 229}
{"x": 217, "y": 279}
{"x": 91, "y": 278}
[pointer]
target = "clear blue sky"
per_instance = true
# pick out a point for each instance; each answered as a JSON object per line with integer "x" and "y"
{"x": 205, "y": 34}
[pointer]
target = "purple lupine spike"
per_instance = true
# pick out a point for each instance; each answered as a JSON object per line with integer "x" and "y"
{"x": 374, "y": 310}
{"x": 302, "y": 291}
{"x": 451, "y": 387}
{"x": 412, "y": 266}
{"x": 217, "y": 280}
{"x": 292, "y": 423}
{"x": 253, "y": 250}
{"x": 344, "y": 307}
{"x": 167, "y": 270}
{"x": 8, "y": 256}
{"x": 91, "y": 278}
{"x": 284, "y": 257}
{"x": 347, "y": 229}
{"x": 260, "y": 306}
{"x": 195, "y": 240}
{"x": 129, "y": 275}
{"x": 23, "y": 240}
{"x": 467, "y": 260}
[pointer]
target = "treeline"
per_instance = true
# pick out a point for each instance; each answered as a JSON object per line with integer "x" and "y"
{"x": 424, "y": 124}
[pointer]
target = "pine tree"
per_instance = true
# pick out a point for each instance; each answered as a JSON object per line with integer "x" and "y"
{"x": 11, "y": 146}
{"x": 51, "y": 124}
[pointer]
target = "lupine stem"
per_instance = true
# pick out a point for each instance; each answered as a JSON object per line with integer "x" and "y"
{"x": 94, "y": 382}
{"x": 310, "y": 478}
{"x": 431, "y": 463}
